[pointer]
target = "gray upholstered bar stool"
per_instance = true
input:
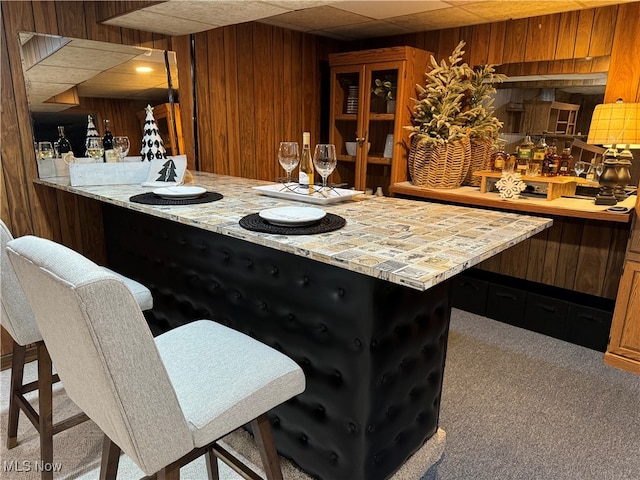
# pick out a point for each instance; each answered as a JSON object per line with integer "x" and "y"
{"x": 18, "y": 320}
{"x": 162, "y": 401}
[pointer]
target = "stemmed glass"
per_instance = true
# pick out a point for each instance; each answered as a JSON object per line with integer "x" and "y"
{"x": 579, "y": 168}
{"x": 324, "y": 159}
{"x": 95, "y": 149}
{"x": 122, "y": 146}
{"x": 288, "y": 157}
{"x": 45, "y": 150}
{"x": 599, "y": 169}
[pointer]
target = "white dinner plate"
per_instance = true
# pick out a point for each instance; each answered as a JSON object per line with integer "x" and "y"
{"x": 180, "y": 191}
{"x": 292, "y": 216}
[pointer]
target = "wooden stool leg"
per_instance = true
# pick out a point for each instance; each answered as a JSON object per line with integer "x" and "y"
{"x": 110, "y": 459}
{"x": 170, "y": 472}
{"x": 17, "y": 373}
{"x": 264, "y": 440}
{"x": 45, "y": 407}
{"x": 212, "y": 465}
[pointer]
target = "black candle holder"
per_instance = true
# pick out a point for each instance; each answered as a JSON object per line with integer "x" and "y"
{"x": 608, "y": 180}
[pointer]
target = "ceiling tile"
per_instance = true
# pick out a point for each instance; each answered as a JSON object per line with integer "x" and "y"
{"x": 444, "y": 18}
{"x": 319, "y": 18}
{"x": 54, "y": 73}
{"x": 384, "y": 9}
{"x": 364, "y": 30}
{"x": 216, "y": 12}
{"x": 157, "y": 22}
{"x": 73, "y": 57}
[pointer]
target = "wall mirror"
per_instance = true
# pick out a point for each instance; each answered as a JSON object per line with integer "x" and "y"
{"x": 537, "y": 100}
{"x": 67, "y": 79}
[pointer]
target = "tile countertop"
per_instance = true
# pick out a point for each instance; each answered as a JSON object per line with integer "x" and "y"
{"x": 407, "y": 242}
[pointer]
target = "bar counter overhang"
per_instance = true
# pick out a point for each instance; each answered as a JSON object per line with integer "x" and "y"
{"x": 364, "y": 310}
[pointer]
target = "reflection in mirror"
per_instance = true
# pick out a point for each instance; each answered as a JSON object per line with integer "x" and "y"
{"x": 67, "y": 79}
{"x": 557, "y": 105}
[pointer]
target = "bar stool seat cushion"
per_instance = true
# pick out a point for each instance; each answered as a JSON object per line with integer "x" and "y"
{"x": 244, "y": 376}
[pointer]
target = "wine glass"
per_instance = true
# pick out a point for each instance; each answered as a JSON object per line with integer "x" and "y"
{"x": 94, "y": 148}
{"x": 579, "y": 168}
{"x": 122, "y": 146}
{"x": 324, "y": 159}
{"x": 288, "y": 157}
{"x": 45, "y": 150}
{"x": 599, "y": 169}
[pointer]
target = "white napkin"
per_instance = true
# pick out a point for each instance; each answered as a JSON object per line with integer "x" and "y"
{"x": 165, "y": 172}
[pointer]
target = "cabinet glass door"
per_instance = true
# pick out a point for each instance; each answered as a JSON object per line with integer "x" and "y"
{"x": 346, "y": 112}
{"x": 363, "y": 121}
{"x": 382, "y": 80}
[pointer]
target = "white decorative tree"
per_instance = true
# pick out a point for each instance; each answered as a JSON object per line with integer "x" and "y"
{"x": 91, "y": 131}
{"x": 152, "y": 145}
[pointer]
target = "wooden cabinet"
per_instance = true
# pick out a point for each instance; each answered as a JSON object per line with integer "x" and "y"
{"x": 171, "y": 137}
{"x": 624, "y": 340}
{"x": 379, "y": 156}
{"x": 553, "y": 117}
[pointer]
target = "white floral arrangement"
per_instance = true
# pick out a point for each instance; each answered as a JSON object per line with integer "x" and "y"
{"x": 510, "y": 185}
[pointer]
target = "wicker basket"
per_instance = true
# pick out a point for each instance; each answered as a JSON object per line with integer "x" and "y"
{"x": 439, "y": 165}
{"x": 481, "y": 150}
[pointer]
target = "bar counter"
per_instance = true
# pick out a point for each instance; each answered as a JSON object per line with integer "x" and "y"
{"x": 417, "y": 244}
{"x": 364, "y": 310}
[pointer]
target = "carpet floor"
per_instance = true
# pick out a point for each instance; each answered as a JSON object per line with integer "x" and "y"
{"x": 515, "y": 405}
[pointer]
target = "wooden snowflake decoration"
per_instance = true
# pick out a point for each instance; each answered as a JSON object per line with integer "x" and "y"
{"x": 510, "y": 185}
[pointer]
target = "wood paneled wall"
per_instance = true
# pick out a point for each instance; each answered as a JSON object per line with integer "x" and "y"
{"x": 549, "y": 43}
{"x": 582, "y": 255}
{"x": 256, "y": 85}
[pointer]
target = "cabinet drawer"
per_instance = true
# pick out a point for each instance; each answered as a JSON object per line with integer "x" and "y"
{"x": 506, "y": 304}
{"x": 469, "y": 294}
{"x": 546, "y": 315}
{"x": 588, "y": 327}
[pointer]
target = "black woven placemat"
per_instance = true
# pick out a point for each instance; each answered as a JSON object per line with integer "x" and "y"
{"x": 151, "y": 198}
{"x": 328, "y": 223}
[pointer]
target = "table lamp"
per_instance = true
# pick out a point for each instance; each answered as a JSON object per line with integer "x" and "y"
{"x": 615, "y": 125}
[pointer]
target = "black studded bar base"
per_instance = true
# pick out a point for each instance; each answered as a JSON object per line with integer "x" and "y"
{"x": 373, "y": 352}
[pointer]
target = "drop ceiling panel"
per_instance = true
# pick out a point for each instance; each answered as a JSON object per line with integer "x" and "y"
{"x": 382, "y": 10}
{"x": 219, "y": 12}
{"x": 317, "y": 19}
{"x": 74, "y": 57}
{"x": 443, "y": 18}
{"x": 160, "y": 22}
{"x": 364, "y": 30}
{"x": 106, "y": 79}
{"x": 55, "y": 74}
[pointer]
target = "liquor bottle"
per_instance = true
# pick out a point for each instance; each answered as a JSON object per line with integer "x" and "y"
{"x": 305, "y": 177}
{"x": 539, "y": 153}
{"x": 498, "y": 158}
{"x": 64, "y": 146}
{"x": 110, "y": 155}
{"x": 566, "y": 160}
{"x": 550, "y": 165}
{"x": 525, "y": 155}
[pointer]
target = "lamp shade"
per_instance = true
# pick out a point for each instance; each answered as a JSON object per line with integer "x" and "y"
{"x": 615, "y": 124}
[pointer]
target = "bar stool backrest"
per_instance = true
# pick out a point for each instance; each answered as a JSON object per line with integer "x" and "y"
{"x": 17, "y": 317}
{"x": 105, "y": 355}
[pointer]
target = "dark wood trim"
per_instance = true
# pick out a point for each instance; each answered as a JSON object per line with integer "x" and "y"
{"x": 30, "y": 356}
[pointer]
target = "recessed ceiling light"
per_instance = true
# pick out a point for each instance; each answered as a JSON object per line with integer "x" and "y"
{"x": 143, "y": 69}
